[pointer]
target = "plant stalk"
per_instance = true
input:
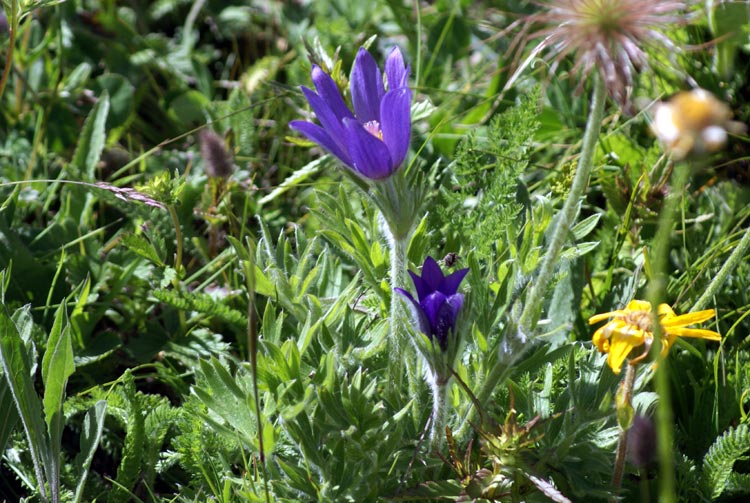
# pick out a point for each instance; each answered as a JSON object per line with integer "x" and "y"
{"x": 566, "y": 218}
{"x": 439, "y": 390}
{"x": 13, "y": 28}
{"x": 622, "y": 441}
{"x": 516, "y": 338}
{"x": 656, "y": 294}
{"x": 729, "y": 266}
{"x": 398, "y": 329}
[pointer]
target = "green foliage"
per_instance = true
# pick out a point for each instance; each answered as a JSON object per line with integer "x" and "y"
{"x": 490, "y": 195}
{"x": 180, "y": 288}
{"x": 718, "y": 474}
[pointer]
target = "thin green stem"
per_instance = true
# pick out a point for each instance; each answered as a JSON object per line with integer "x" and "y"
{"x": 177, "y": 260}
{"x": 729, "y": 266}
{"x": 566, "y": 218}
{"x": 626, "y": 394}
{"x": 13, "y": 27}
{"x": 656, "y": 294}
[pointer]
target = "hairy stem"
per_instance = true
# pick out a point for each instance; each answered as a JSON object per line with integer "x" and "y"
{"x": 178, "y": 261}
{"x": 566, "y": 217}
{"x": 439, "y": 390}
{"x": 398, "y": 329}
{"x": 515, "y": 338}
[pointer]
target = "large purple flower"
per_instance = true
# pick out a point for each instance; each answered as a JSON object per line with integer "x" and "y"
{"x": 375, "y": 139}
{"x": 437, "y": 310}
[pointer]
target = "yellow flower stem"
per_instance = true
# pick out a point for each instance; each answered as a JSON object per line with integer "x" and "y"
{"x": 656, "y": 295}
{"x": 622, "y": 442}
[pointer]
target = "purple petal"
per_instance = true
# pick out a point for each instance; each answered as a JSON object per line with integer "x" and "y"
{"x": 396, "y": 72}
{"x": 432, "y": 306}
{"x": 452, "y": 281}
{"x": 327, "y": 117}
{"x": 395, "y": 123}
{"x": 366, "y": 87}
{"x": 446, "y": 319}
{"x": 432, "y": 275}
{"x": 321, "y": 137}
{"x": 329, "y": 92}
{"x": 417, "y": 312}
{"x": 370, "y": 156}
{"x": 423, "y": 290}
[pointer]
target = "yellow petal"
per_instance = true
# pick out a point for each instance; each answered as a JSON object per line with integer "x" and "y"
{"x": 620, "y": 347}
{"x": 639, "y": 305}
{"x": 688, "y": 319}
{"x": 695, "y": 332}
{"x": 600, "y": 317}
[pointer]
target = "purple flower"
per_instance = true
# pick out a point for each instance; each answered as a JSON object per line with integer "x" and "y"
{"x": 437, "y": 310}
{"x": 375, "y": 139}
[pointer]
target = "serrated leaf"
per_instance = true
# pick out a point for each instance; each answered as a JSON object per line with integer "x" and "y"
{"x": 719, "y": 460}
{"x": 202, "y": 303}
{"x": 143, "y": 247}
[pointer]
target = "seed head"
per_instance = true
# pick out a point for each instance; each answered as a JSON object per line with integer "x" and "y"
{"x": 610, "y": 37}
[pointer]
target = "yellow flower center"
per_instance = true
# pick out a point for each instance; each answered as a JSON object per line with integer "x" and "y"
{"x": 640, "y": 319}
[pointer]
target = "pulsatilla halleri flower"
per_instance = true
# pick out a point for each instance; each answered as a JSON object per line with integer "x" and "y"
{"x": 632, "y": 327}
{"x": 374, "y": 140}
{"x": 693, "y": 122}
{"x": 436, "y": 310}
{"x": 610, "y": 37}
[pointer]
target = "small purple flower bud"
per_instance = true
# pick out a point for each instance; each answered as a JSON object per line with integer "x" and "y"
{"x": 642, "y": 441}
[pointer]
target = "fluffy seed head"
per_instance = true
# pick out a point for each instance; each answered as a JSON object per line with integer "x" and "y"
{"x": 607, "y": 36}
{"x": 216, "y": 156}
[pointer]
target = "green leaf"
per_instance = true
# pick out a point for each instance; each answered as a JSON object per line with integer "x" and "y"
{"x": 10, "y": 418}
{"x": 17, "y": 365}
{"x": 93, "y": 137}
{"x": 585, "y": 226}
{"x": 93, "y": 424}
{"x": 143, "y": 247}
{"x": 221, "y": 394}
{"x": 719, "y": 460}
{"x": 57, "y": 366}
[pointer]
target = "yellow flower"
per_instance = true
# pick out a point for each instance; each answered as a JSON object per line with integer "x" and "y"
{"x": 632, "y": 327}
{"x": 693, "y": 122}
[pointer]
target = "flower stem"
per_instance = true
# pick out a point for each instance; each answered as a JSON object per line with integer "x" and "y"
{"x": 439, "y": 390}
{"x": 515, "y": 339}
{"x": 566, "y": 218}
{"x": 398, "y": 329}
{"x": 656, "y": 294}
{"x": 626, "y": 392}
